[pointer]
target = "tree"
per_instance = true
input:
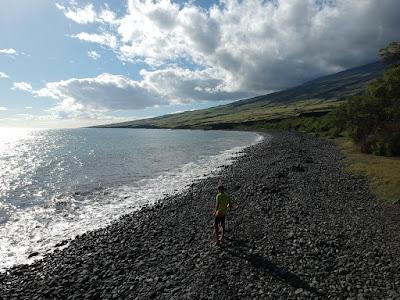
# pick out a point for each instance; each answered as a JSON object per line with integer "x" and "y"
{"x": 372, "y": 119}
{"x": 391, "y": 53}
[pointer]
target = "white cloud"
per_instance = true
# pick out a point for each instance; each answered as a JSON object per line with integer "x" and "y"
{"x": 88, "y": 14}
{"x": 9, "y": 51}
{"x": 94, "y": 55}
{"x": 28, "y": 107}
{"x": 83, "y": 15}
{"x": 3, "y": 75}
{"x": 252, "y": 46}
{"x": 183, "y": 85}
{"x": 108, "y": 16}
{"x": 2, "y": 108}
{"x": 102, "y": 93}
{"x": 23, "y": 86}
{"x": 87, "y": 97}
{"x": 102, "y": 39}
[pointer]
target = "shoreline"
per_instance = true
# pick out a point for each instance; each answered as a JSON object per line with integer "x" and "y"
{"x": 300, "y": 227}
{"x": 123, "y": 198}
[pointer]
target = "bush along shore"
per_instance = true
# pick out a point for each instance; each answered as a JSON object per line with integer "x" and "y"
{"x": 300, "y": 227}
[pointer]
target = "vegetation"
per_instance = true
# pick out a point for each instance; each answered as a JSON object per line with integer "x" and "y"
{"x": 372, "y": 120}
{"x": 383, "y": 173}
{"x": 391, "y": 54}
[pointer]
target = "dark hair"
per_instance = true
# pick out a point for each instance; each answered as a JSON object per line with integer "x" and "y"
{"x": 221, "y": 188}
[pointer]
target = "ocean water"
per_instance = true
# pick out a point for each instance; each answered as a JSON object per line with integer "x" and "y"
{"x": 56, "y": 184}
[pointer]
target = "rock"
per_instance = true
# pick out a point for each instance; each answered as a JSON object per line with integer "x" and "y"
{"x": 175, "y": 290}
{"x": 290, "y": 234}
{"x": 298, "y": 291}
{"x": 62, "y": 243}
{"x": 298, "y": 168}
{"x": 33, "y": 254}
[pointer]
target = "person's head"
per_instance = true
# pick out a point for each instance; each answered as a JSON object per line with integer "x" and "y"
{"x": 221, "y": 188}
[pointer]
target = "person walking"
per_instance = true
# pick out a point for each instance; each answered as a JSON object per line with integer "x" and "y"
{"x": 222, "y": 203}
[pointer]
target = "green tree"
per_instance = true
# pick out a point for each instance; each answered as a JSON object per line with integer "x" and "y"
{"x": 391, "y": 53}
{"x": 372, "y": 119}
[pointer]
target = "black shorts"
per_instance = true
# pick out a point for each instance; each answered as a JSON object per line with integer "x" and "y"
{"x": 219, "y": 220}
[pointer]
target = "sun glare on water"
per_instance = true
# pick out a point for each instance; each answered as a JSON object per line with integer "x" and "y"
{"x": 15, "y": 157}
{"x": 9, "y": 137}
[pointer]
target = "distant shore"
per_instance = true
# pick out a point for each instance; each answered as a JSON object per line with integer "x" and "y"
{"x": 300, "y": 227}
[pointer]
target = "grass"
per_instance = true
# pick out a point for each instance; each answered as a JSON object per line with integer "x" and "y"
{"x": 383, "y": 173}
{"x": 230, "y": 114}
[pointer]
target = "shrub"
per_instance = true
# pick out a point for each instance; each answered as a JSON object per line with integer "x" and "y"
{"x": 372, "y": 120}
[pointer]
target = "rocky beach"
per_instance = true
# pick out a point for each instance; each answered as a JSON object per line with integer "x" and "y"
{"x": 300, "y": 228}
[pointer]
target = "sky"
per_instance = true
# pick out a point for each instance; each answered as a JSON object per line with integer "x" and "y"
{"x": 78, "y": 63}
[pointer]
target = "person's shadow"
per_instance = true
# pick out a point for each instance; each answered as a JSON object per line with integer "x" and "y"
{"x": 239, "y": 248}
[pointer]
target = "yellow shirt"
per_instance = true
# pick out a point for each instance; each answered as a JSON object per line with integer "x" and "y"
{"x": 222, "y": 203}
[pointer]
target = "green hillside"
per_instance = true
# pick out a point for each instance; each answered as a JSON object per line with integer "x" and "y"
{"x": 313, "y": 98}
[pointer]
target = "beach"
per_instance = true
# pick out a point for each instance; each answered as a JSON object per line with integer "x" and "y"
{"x": 299, "y": 227}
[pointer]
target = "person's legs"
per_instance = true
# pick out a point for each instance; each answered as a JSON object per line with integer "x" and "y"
{"x": 222, "y": 223}
{"x": 216, "y": 226}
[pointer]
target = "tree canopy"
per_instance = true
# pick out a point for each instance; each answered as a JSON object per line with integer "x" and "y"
{"x": 391, "y": 53}
{"x": 372, "y": 119}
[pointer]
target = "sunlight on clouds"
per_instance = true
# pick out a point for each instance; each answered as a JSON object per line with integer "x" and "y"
{"x": 102, "y": 93}
{"x": 88, "y": 14}
{"x": 184, "y": 85}
{"x": 23, "y": 86}
{"x": 79, "y": 97}
{"x": 9, "y": 51}
{"x": 94, "y": 55}
{"x": 83, "y": 15}
{"x": 2, "y": 108}
{"x": 102, "y": 39}
{"x": 3, "y": 75}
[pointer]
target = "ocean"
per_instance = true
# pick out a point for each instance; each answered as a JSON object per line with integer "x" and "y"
{"x": 59, "y": 183}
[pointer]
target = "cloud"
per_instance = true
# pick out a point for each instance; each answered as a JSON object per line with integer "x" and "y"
{"x": 102, "y": 39}
{"x": 23, "y": 86}
{"x": 3, "y": 75}
{"x": 253, "y": 46}
{"x": 83, "y": 15}
{"x": 184, "y": 85}
{"x": 28, "y": 107}
{"x": 102, "y": 93}
{"x": 9, "y": 51}
{"x": 87, "y": 14}
{"x": 2, "y": 108}
{"x": 86, "y": 97}
{"x": 94, "y": 55}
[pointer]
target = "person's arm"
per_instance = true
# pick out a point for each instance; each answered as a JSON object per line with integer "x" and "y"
{"x": 216, "y": 204}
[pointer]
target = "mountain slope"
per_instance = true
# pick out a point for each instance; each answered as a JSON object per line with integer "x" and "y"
{"x": 315, "y": 97}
